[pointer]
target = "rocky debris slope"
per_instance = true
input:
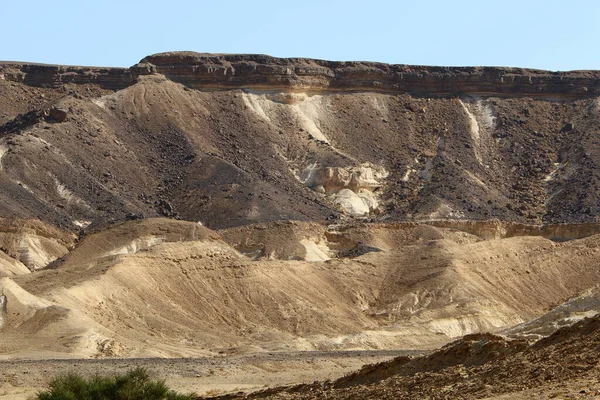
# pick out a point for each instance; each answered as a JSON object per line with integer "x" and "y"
{"x": 476, "y": 366}
{"x": 220, "y": 139}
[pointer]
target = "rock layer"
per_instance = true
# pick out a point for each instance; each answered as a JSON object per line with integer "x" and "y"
{"x": 55, "y": 75}
{"x": 255, "y": 71}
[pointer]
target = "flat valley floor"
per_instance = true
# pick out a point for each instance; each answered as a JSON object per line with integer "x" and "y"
{"x": 22, "y": 379}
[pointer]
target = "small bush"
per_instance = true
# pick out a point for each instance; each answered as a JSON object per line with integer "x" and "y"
{"x": 134, "y": 385}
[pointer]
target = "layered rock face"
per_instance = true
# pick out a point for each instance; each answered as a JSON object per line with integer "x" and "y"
{"x": 202, "y": 71}
{"x": 56, "y": 75}
{"x": 257, "y": 71}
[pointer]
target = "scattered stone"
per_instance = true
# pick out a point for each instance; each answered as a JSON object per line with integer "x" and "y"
{"x": 58, "y": 114}
{"x": 568, "y": 127}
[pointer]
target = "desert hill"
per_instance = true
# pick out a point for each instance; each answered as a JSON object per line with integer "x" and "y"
{"x": 214, "y": 205}
{"x": 231, "y": 140}
{"x": 159, "y": 287}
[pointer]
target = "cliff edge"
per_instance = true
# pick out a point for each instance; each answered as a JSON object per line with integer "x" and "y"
{"x": 255, "y": 71}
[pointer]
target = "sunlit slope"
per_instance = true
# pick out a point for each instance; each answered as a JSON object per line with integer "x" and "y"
{"x": 163, "y": 287}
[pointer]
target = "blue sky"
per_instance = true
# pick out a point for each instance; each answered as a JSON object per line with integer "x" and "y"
{"x": 554, "y": 35}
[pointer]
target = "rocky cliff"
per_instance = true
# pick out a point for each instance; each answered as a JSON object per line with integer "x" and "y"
{"x": 56, "y": 75}
{"x": 265, "y": 72}
{"x": 253, "y": 71}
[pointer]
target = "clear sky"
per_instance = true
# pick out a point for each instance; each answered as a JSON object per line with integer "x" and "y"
{"x": 550, "y": 34}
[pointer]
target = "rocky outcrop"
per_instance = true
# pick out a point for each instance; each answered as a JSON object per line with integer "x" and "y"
{"x": 264, "y": 72}
{"x": 32, "y": 243}
{"x": 255, "y": 71}
{"x": 351, "y": 188}
{"x": 56, "y": 75}
{"x": 334, "y": 179}
{"x": 23, "y": 121}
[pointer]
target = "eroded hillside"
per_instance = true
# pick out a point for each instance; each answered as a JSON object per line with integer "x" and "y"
{"x": 159, "y": 287}
{"x": 231, "y": 140}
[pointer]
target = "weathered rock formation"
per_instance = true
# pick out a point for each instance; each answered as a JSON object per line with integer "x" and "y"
{"x": 352, "y": 188}
{"x": 254, "y": 71}
{"x": 261, "y": 71}
{"x": 56, "y": 75}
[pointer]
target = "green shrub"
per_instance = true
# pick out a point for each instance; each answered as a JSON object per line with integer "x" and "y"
{"x": 134, "y": 385}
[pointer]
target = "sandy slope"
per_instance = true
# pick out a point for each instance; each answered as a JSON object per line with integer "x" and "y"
{"x": 160, "y": 287}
